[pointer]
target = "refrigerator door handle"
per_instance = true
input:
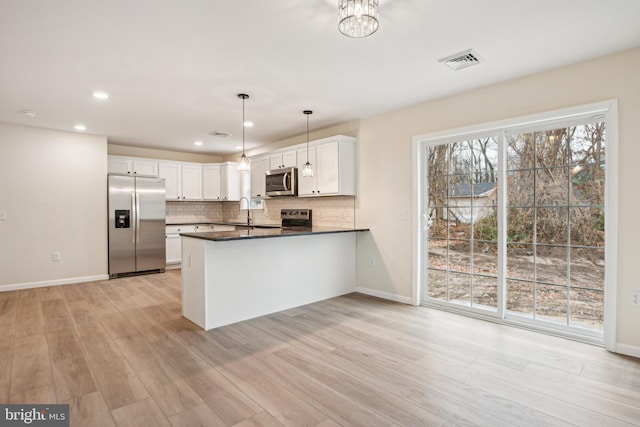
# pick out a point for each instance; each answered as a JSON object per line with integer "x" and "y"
{"x": 136, "y": 204}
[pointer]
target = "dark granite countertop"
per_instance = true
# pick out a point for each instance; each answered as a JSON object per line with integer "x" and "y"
{"x": 261, "y": 233}
{"x": 222, "y": 223}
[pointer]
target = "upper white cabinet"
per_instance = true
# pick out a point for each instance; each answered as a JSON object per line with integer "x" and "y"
{"x": 120, "y": 165}
{"x": 211, "y": 182}
{"x": 229, "y": 181}
{"x": 221, "y": 181}
{"x": 183, "y": 181}
{"x": 283, "y": 159}
{"x": 333, "y": 161}
{"x": 191, "y": 181}
{"x": 258, "y": 168}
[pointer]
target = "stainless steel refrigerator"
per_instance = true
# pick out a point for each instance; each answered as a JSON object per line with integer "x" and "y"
{"x": 136, "y": 225}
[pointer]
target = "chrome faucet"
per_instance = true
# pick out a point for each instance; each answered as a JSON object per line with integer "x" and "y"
{"x": 248, "y": 212}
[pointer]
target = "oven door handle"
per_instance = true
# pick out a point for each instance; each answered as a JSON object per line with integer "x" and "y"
{"x": 285, "y": 178}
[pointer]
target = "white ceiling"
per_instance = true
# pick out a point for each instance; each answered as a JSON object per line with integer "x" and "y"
{"x": 173, "y": 68}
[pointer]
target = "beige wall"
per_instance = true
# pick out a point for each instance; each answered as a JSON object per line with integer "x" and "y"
{"x": 54, "y": 189}
{"x": 385, "y": 166}
{"x": 150, "y": 153}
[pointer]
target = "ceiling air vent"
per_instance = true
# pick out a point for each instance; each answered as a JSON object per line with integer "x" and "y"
{"x": 220, "y": 134}
{"x": 462, "y": 60}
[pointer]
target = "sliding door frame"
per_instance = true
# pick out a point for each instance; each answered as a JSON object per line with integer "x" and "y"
{"x": 420, "y": 203}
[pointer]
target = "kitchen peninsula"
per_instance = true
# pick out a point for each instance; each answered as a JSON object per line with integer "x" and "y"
{"x": 230, "y": 276}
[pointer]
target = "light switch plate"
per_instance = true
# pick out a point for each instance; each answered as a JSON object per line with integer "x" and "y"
{"x": 403, "y": 215}
{"x": 3, "y": 215}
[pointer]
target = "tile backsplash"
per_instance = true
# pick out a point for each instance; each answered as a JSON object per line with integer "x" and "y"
{"x": 194, "y": 212}
{"x": 338, "y": 211}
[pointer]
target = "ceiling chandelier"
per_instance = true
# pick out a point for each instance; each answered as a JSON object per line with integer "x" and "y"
{"x": 358, "y": 18}
{"x": 243, "y": 165}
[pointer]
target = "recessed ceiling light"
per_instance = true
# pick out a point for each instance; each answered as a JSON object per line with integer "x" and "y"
{"x": 29, "y": 113}
{"x": 80, "y": 128}
{"x": 198, "y": 143}
{"x": 248, "y": 124}
{"x": 238, "y": 147}
{"x": 100, "y": 95}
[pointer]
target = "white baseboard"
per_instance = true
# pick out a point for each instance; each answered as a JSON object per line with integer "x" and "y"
{"x": 68, "y": 281}
{"x": 384, "y": 295}
{"x": 629, "y": 350}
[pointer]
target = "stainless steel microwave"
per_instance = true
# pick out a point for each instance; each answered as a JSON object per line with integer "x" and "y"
{"x": 281, "y": 182}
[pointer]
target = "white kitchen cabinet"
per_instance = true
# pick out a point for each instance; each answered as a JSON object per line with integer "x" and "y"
{"x": 174, "y": 243}
{"x": 172, "y": 174}
{"x": 229, "y": 182}
{"x": 191, "y": 181}
{"x": 333, "y": 161}
{"x": 259, "y": 166}
{"x": 119, "y": 165}
{"x": 283, "y": 159}
{"x": 183, "y": 181}
{"x": 211, "y": 182}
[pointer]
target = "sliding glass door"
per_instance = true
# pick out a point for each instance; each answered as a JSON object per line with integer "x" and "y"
{"x": 514, "y": 223}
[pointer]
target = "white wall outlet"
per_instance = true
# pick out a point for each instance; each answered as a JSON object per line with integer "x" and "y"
{"x": 372, "y": 261}
{"x": 403, "y": 215}
{"x": 55, "y": 256}
{"x": 635, "y": 298}
{"x": 3, "y": 215}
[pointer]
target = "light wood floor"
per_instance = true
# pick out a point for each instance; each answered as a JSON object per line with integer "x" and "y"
{"x": 121, "y": 355}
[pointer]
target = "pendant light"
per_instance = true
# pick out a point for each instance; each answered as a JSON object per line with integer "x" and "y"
{"x": 243, "y": 165}
{"x": 358, "y": 18}
{"x": 307, "y": 168}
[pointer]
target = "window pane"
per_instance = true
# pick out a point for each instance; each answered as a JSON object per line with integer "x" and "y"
{"x": 438, "y": 190}
{"x": 460, "y": 256}
{"x": 520, "y": 297}
{"x": 485, "y": 291}
{"x": 485, "y": 258}
{"x": 460, "y": 190}
{"x": 551, "y": 225}
{"x": 460, "y": 155}
{"x": 587, "y": 268}
{"x": 587, "y": 226}
{"x": 551, "y": 303}
{"x": 587, "y": 308}
{"x": 485, "y": 227}
{"x": 520, "y": 151}
{"x": 588, "y": 144}
{"x": 520, "y": 188}
{"x": 551, "y": 264}
{"x": 552, "y": 148}
{"x": 587, "y": 185}
{"x": 520, "y": 225}
{"x": 437, "y": 284}
{"x": 437, "y": 160}
{"x": 439, "y": 228}
{"x": 552, "y": 187}
{"x": 437, "y": 253}
{"x": 520, "y": 261}
{"x": 460, "y": 288}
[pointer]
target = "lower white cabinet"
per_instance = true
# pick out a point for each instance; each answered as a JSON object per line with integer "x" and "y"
{"x": 174, "y": 243}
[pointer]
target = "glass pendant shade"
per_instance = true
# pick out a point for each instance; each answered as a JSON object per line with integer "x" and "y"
{"x": 358, "y": 18}
{"x": 307, "y": 168}
{"x": 243, "y": 165}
